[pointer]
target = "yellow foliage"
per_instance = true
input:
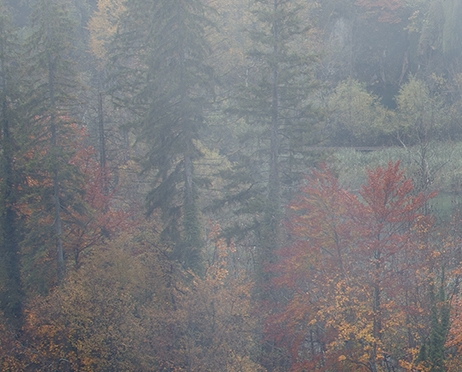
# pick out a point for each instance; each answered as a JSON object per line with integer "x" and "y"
{"x": 219, "y": 307}
{"x": 103, "y": 25}
{"x": 91, "y": 322}
{"x": 128, "y": 308}
{"x": 344, "y": 273}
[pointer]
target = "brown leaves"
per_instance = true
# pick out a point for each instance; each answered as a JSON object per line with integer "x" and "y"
{"x": 90, "y": 321}
{"x": 386, "y": 11}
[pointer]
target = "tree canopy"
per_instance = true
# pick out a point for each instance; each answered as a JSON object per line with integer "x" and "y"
{"x": 233, "y": 185}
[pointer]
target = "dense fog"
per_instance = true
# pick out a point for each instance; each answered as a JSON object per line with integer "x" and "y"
{"x": 230, "y": 185}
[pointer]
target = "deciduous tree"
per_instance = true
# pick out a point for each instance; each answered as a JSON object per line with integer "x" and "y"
{"x": 350, "y": 268}
{"x": 355, "y": 117}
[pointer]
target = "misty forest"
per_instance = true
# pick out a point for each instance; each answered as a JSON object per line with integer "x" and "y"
{"x": 231, "y": 185}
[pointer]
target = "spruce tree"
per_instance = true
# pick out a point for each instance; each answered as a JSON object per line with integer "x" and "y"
{"x": 160, "y": 73}
{"x": 51, "y": 89}
{"x": 273, "y": 100}
{"x": 11, "y": 295}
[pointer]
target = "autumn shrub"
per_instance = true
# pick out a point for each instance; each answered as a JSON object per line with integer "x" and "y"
{"x": 127, "y": 307}
{"x": 90, "y": 322}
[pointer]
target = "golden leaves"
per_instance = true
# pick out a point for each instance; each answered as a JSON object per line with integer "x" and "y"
{"x": 343, "y": 269}
{"x": 125, "y": 308}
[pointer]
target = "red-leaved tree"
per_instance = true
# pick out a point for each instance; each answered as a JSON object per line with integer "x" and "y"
{"x": 353, "y": 272}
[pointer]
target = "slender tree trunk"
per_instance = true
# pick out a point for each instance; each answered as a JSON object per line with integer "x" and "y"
{"x": 271, "y": 220}
{"x": 377, "y": 313}
{"x": 102, "y": 146}
{"x": 55, "y": 171}
{"x": 271, "y": 232}
{"x": 191, "y": 226}
{"x": 274, "y": 182}
{"x": 187, "y": 130}
{"x": 14, "y": 292}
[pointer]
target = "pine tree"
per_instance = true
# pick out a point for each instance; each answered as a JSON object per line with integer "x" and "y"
{"x": 11, "y": 295}
{"x": 160, "y": 55}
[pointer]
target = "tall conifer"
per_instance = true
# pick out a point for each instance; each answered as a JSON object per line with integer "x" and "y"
{"x": 160, "y": 57}
{"x": 273, "y": 100}
{"x": 51, "y": 90}
{"x": 11, "y": 295}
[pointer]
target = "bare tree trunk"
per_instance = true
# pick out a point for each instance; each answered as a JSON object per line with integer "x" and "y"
{"x": 271, "y": 228}
{"x": 56, "y": 185}
{"x": 102, "y": 145}
{"x": 377, "y": 313}
{"x": 274, "y": 182}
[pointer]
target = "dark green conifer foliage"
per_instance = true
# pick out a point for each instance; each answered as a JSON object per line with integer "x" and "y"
{"x": 160, "y": 54}
{"x": 11, "y": 295}
{"x": 52, "y": 83}
{"x": 273, "y": 101}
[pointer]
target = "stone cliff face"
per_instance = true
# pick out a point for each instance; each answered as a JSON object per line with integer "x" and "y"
{"x": 339, "y": 47}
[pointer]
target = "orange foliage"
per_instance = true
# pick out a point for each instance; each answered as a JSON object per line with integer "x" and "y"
{"x": 210, "y": 326}
{"x": 350, "y": 269}
{"x": 128, "y": 308}
{"x": 10, "y": 348}
{"x": 103, "y": 218}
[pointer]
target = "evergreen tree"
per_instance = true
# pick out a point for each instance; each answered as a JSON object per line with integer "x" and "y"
{"x": 274, "y": 102}
{"x": 160, "y": 54}
{"x": 54, "y": 181}
{"x": 11, "y": 295}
